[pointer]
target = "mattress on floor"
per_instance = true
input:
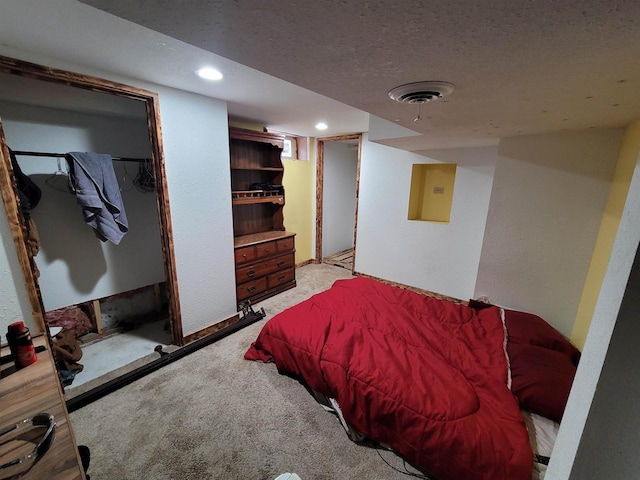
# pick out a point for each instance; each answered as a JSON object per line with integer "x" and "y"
{"x": 542, "y": 435}
{"x": 542, "y": 432}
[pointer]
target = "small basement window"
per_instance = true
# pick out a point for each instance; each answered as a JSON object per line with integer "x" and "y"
{"x": 431, "y": 192}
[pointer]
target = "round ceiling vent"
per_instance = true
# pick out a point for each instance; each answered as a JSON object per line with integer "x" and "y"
{"x": 421, "y": 92}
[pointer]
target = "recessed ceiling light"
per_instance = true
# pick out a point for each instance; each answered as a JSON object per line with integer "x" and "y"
{"x": 321, "y": 126}
{"x": 209, "y": 73}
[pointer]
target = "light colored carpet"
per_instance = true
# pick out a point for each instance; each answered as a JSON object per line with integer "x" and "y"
{"x": 214, "y": 415}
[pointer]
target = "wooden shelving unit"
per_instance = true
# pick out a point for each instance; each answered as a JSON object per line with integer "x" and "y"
{"x": 264, "y": 251}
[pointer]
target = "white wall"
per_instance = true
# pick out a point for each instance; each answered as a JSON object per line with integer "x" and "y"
{"x": 74, "y": 265}
{"x": 615, "y": 405}
{"x": 196, "y": 145}
{"x": 15, "y": 303}
{"x": 602, "y": 428}
{"x": 442, "y": 258}
{"x": 548, "y": 197}
{"x": 195, "y": 136}
{"x": 339, "y": 197}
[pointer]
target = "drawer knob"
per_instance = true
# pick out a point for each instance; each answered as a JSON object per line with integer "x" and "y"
{"x": 266, "y": 250}
{"x": 281, "y": 263}
{"x": 281, "y": 278}
{"x": 251, "y": 273}
{"x": 251, "y": 288}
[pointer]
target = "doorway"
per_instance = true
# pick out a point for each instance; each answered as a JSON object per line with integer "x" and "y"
{"x": 102, "y": 277}
{"x": 337, "y": 185}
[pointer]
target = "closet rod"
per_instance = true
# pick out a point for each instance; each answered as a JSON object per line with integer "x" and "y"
{"x": 62, "y": 155}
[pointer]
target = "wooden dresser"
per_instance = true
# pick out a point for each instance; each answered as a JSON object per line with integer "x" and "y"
{"x": 36, "y": 389}
{"x": 265, "y": 265}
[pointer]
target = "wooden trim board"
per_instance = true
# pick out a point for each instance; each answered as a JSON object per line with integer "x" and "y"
{"x": 216, "y": 327}
{"x": 414, "y": 289}
{"x": 320, "y": 189}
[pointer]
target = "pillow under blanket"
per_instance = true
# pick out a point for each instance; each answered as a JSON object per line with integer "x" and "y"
{"x": 543, "y": 363}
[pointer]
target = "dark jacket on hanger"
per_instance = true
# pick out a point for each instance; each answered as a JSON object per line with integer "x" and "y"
{"x": 28, "y": 191}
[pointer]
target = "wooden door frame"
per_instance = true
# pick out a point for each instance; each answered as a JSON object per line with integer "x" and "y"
{"x": 320, "y": 189}
{"x": 9, "y": 190}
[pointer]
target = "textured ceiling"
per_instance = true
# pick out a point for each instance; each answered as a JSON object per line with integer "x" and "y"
{"x": 520, "y": 67}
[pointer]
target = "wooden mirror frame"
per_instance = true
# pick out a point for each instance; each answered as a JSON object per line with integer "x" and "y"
{"x": 320, "y": 191}
{"x": 9, "y": 189}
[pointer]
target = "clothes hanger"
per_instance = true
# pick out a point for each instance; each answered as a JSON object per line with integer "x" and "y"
{"x": 144, "y": 180}
{"x": 126, "y": 177}
{"x": 60, "y": 180}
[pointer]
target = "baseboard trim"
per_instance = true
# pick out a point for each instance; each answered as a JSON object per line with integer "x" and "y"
{"x": 306, "y": 262}
{"x": 413, "y": 289}
{"x": 210, "y": 329}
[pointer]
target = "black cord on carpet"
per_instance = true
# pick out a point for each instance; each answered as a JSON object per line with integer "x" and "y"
{"x": 406, "y": 470}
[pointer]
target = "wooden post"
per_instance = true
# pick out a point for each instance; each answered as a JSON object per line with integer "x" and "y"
{"x": 97, "y": 313}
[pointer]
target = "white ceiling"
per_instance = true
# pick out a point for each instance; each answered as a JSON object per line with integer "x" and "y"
{"x": 520, "y": 67}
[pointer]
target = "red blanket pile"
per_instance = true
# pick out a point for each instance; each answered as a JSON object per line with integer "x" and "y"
{"x": 424, "y": 376}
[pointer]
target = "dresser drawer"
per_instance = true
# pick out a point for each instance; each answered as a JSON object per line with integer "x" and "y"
{"x": 264, "y": 267}
{"x": 285, "y": 245}
{"x": 244, "y": 254}
{"x": 285, "y": 261}
{"x": 281, "y": 277}
{"x": 255, "y": 270}
{"x": 265, "y": 249}
{"x": 248, "y": 289}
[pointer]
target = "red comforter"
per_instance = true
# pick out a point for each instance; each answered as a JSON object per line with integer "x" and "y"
{"x": 427, "y": 377}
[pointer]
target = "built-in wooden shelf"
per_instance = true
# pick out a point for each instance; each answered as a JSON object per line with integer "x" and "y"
{"x": 249, "y": 197}
{"x": 260, "y": 169}
{"x": 255, "y": 238}
{"x": 260, "y": 137}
